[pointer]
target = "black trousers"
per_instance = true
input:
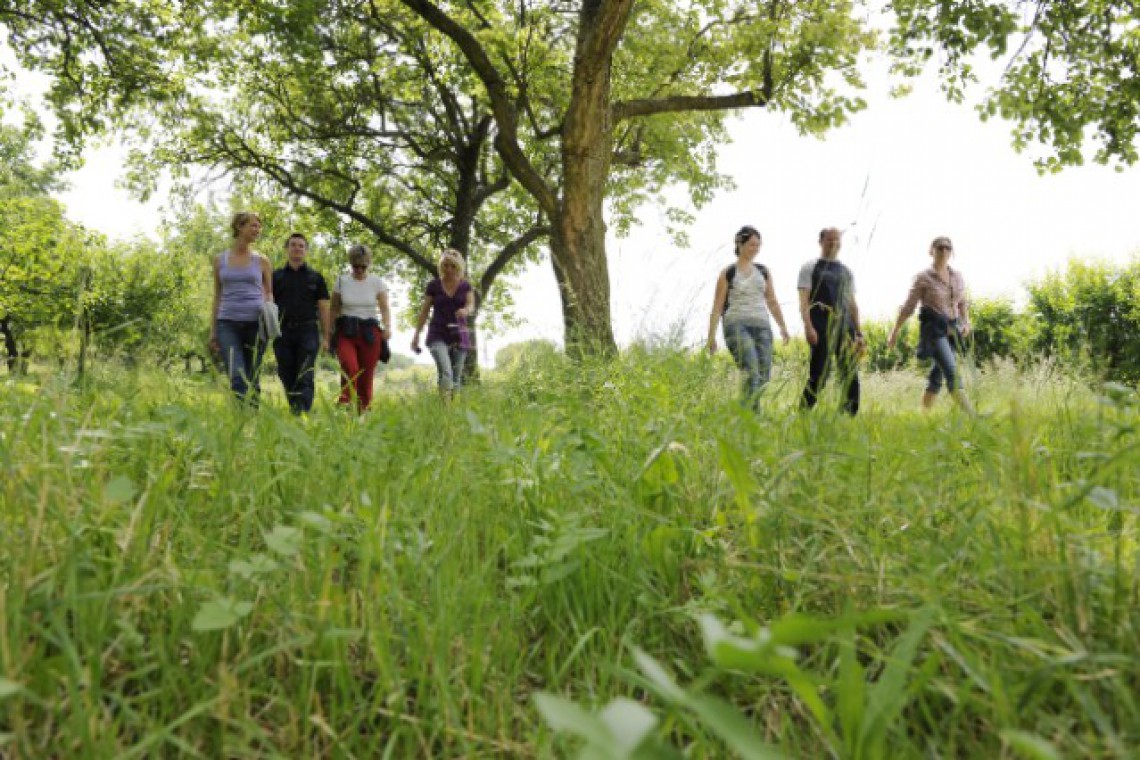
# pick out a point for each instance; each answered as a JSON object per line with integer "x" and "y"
{"x": 835, "y": 345}
{"x": 297, "y": 350}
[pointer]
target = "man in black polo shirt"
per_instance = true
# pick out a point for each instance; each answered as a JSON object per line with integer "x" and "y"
{"x": 831, "y": 321}
{"x": 302, "y": 298}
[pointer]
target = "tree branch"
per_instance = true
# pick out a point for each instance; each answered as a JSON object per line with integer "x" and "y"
{"x": 680, "y": 103}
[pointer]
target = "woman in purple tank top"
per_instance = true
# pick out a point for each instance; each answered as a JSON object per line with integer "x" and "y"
{"x": 243, "y": 281}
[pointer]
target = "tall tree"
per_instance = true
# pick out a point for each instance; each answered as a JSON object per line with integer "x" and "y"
{"x": 619, "y": 84}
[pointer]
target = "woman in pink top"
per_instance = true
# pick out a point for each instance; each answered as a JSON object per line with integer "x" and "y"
{"x": 944, "y": 316}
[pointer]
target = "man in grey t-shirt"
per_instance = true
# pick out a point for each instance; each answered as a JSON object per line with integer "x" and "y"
{"x": 831, "y": 321}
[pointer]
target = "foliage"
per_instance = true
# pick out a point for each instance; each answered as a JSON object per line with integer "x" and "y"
{"x": 622, "y": 537}
{"x": 1073, "y": 69}
{"x": 1090, "y": 313}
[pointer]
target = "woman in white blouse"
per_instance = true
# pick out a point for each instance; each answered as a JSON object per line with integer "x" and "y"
{"x": 362, "y": 317}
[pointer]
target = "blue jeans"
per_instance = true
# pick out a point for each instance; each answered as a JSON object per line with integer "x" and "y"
{"x": 449, "y": 361}
{"x": 297, "y": 350}
{"x": 242, "y": 349}
{"x": 942, "y": 353}
{"x": 751, "y": 346}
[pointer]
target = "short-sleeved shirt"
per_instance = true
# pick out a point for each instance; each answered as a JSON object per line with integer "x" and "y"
{"x": 746, "y": 303}
{"x": 948, "y": 299}
{"x": 444, "y": 308}
{"x": 297, "y": 292}
{"x": 833, "y": 286}
{"x": 358, "y": 297}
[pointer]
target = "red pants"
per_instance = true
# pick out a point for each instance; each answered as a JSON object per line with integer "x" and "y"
{"x": 358, "y": 360}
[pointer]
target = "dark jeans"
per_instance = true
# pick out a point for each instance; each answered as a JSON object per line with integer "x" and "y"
{"x": 835, "y": 344}
{"x": 297, "y": 350}
{"x": 242, "y": 351}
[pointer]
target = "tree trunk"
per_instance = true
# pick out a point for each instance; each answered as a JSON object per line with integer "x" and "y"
{"x": 471, "y": 366}
{"x": 578, "y": 240}
{"x": 10, "y": 346}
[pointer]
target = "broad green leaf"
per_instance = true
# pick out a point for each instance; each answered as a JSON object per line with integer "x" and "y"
{"x": 665, "y": 686}
{"x": 736, "y": 731}
{"x": 629, "y": 722}
{"x": 119, "y": 489}
{"x": 564, "y": 716}
{"x": 1029, "y": 745}
{"x": 220, "y": 614}
{"x": 284, "y": 540}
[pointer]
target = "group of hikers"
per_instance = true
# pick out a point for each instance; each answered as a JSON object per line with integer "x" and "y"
{"x": 745, "y": 302}
{"x": 254, "y": 303}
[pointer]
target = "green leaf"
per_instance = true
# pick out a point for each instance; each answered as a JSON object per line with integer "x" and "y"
{"x": 119, "y": 490}
{"x": 664, "y": 684}
{"x": 564, "y": 716}
{"x": 9, "y": 688}
{"x": 736, "y": 467}
{"x": 256, "y": 565}
{"x": 1029, "y": 745}
{"x": 738, "y": 733}
{"x": 284, "y": 540}
{"x": 220, "y": 614}
{"x": 629, "y": 723}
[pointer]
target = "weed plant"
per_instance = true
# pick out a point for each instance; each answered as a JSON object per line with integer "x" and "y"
{"x": 611, "y": 559}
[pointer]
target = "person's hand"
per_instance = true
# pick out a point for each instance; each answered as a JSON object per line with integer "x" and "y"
{"x": 784, "y": 335}
{"x": 416, "y": 344}
{"x": 461, "y": 313}
{"x": 964, "y": 330}
{"x": 213, "y": 344}
{"x": 811, "y": 335}
{"x": 892, "y": 340}
{"x": 711, "y": 346}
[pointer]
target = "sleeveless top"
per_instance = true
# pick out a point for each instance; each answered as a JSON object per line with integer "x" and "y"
{"x": 242, "y": 293}
{"x": 747, "y": 305}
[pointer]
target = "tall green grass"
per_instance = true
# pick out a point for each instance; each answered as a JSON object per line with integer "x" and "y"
{"x": 611, "y": 559}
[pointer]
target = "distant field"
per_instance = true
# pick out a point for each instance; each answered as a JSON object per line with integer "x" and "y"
{"x": 606, "y": 559}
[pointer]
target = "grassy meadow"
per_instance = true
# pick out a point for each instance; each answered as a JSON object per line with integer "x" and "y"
{"x": 597, "y": 560}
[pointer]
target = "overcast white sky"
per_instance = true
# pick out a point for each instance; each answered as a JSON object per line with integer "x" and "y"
{"x": 901, "y": 173}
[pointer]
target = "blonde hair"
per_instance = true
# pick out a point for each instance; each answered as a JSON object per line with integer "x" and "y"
{"x": 241, "y": 219}
{"x": 359, "y": 254}
{"x": 454, "y": 256}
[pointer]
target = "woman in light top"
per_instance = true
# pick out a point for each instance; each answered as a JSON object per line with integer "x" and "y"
{"x": 449, "y": 299}
{"x": 242, "y": 284}
{"x": 745, "y": 297}
{"x": 360, "y": 312}
{"x": 944, "y": 319}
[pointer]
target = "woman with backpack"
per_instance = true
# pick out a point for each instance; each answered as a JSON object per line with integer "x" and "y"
{"x": 745, "y": 297}
{"x": 943, "y": 320}
{"x": 449, "y": 299}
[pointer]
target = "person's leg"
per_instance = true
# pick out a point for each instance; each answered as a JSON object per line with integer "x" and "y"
{"x": 947, "y": 365}
{"x": 442, "y": 358}
{"x": 458, "y": 362}
{"x": 742, "y": 345}
{"x": 763, "y": 342}
{"x": 934, "y": 379}
{"x": 820, "y": 363}
{"x": 369, "y": 355}
{"x": 308, "y": 348}
{"x": 848, "y": 361}
{"x": 233, "y": 356}
{"x": 285, "y": 349}
{"x": 349, "y": 367}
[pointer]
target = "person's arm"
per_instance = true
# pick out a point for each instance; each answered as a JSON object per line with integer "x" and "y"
{"x": 385, "y": 312}
{"x": 421, "y": 320}
{"x": 717, "y": 310}
{"x": 266, "y": 279}
{"x": 853, "y": 313}
{"x": 805, "y": 315}
{"x": 335, "y": 307}
{"x": 774, "y": 309}
{"x": 468, "y": 306}
{"x": 908, "y": 307}
{"x": 325, "y": 317}
{"x": 213, "y": 342}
